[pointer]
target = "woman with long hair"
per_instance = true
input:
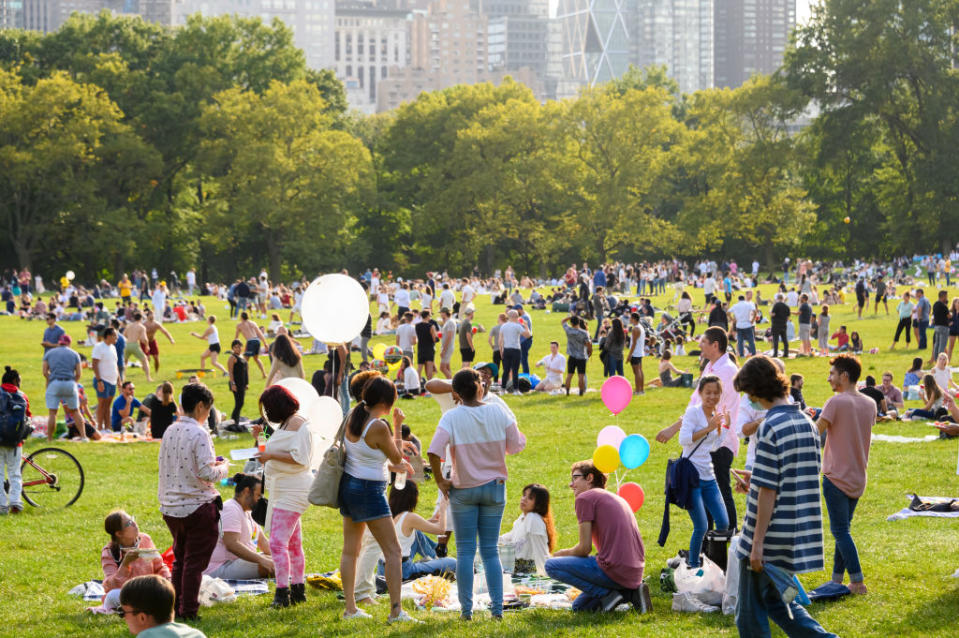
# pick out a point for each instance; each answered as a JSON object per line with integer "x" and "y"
{"x": 288, "y": 471}
{"x": 164, "y": 411}
{"x": 953, "y": 326}
{"x": 685, "y": 309}
{"x": 120, "y": 557}
{"x": 615, "y": 342}
{"x": 403, "y": 504}
{"x": 913, "y": 374}
{"x": 932, "y": 395}
{"x": 371, "y": 454}
{"x": 534, "y": 533}
{"x": 287, "y": 361}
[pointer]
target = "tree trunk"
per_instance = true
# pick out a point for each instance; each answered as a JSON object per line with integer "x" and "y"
{"x": 273, "y": 251}
{"x": 24, "y": 254}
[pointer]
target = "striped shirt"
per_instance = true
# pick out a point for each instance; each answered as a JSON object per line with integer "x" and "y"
{"x": 479, "y": 437}
{"x": 787, "y": 461}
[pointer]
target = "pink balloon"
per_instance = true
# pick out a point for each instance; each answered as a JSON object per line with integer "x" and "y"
{"x": 610, "y": 435}
{"x": 633, "y": 494}
{"x": 616, "y": 394}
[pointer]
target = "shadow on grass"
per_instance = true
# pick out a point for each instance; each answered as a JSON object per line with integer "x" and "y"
{"x": 935, "y": 617}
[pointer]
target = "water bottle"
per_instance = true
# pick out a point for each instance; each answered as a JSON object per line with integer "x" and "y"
{"x": 399, "y": 482}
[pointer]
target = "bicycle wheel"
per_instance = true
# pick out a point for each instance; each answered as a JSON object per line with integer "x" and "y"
{"x": 52, "y": 478}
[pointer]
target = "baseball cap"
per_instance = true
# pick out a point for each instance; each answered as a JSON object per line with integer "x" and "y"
{"x": 489, "y": 366}
{"x": 65, "y": 340}
{"x": 518, "y": 306}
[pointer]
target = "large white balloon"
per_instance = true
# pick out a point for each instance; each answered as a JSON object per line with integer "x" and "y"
{"x": 325, "y": 417}
{"x": 303, "y": 390}
{"x": 335, "y": 308}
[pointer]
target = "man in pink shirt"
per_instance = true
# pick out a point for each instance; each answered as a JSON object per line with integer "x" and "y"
{"x": 615, "y": 574}
{"x": 189, "y": 500}
{"x": 847, "y": 418}
{"x": 713, "y": 345}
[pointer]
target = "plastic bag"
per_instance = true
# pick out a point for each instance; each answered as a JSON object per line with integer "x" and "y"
{"x": 215, "y": 590}
{"x": 731, "y": 594}
{"x": 707, "y": 581}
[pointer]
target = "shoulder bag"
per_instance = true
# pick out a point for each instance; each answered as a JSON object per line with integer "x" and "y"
{"x": 326, "y": 485}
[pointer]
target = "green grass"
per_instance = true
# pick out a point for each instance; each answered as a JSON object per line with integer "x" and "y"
{"x": 907, "y": 563}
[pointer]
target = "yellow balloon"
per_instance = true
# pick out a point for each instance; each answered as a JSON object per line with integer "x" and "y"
{"x": 378, "y": 350}
{"x": 394, "y": 368}
{"x": 606, "y": 458}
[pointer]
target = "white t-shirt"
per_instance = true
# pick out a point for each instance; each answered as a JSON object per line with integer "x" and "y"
{"x": 447, "y": 299}
{"x": 695, "y": 420}
{"x": 383, "y": 299}
{"x": 792, "y": 299}
{"x": 555, "y": 365}
{"x": 233, "y": 519}
{"x": 709, "y": 286}
{"x": 405, "y": 332}
{"x": 402, "y": 298}
{"x": 191, "y": 277}
{"x": 743, "y": 312}
{"x": 468, "y": 294}
{"x": 511, "y": 333}
{"x": 107, "y": 357}
{"x": 747, "y": 413}
{"x": 410, "y": 379}
{"x": 449, "y": 333}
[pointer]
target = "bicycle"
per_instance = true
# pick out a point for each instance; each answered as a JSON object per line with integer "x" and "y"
{"x": 50, "y": 476}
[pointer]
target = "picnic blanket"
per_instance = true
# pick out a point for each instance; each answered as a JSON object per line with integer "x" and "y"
{"x": 906, "y": 512}
{"x": 519, "y": 593}
{"x": 895, "y": 438}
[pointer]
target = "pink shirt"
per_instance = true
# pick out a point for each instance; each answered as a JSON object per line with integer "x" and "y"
{"x": 620, "y": 552}
{"x": 479, "y": 438}
{"x": 233, "y": 519}
{"x": 188, "y": 470}
{"x": 726, "y": 370}
{"x": 114, "y": 576}
{"x": 851, "y": 416}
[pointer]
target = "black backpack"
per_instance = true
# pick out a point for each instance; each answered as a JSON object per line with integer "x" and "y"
{"x": 13, "y": 418}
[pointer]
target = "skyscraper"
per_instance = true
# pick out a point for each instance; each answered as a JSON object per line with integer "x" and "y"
{"x": 750, "y": 38}
{"x": 595, "y": 39}
{"x": 677, "y": 34}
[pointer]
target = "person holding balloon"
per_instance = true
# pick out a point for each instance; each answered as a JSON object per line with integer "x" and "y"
{"x": 703, "y": 427}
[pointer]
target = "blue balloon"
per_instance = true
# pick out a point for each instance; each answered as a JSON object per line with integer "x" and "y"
{"x": 633, "y": 451}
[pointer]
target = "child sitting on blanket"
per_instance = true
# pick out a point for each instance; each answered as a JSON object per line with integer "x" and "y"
{"x": 533, "y": 535}
{"x": 121, "y": 557}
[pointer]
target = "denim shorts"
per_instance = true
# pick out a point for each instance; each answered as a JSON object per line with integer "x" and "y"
{"x": 62, "y": 390}
{"x": 363, "y": 500}
{"x": 109, "y": 390}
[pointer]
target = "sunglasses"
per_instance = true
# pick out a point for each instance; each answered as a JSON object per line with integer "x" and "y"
{"x": 123, "y": 612}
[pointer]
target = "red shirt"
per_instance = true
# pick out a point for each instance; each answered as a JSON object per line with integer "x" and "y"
{"x": 620, "y": 552}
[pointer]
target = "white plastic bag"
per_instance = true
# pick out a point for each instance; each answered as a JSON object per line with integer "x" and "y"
{"x": 707, "y": 581}
{"x": 731, "y": 595}
{"x": 215, "y": 590}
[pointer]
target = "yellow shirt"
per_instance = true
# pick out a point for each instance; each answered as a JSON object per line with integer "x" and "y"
{"x": 125, "y": 288}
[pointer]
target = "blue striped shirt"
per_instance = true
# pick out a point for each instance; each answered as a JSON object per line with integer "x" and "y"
{"x": 787, "y": 461}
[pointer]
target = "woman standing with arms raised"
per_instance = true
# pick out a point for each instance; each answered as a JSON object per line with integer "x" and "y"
{"x": 479, "y": 436}
{"x": 371, "y": 454}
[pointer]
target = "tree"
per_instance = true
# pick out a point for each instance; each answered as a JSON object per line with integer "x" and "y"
{"x": 283, "y": 175}
{"x": 51, "y": 137}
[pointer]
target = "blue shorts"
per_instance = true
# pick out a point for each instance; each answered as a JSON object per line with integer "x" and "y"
{"x": 252, "y": 348}
{"x": 62, "y": 390}
{"x": 363, "y": 500}
{"x": 109, "y": 390}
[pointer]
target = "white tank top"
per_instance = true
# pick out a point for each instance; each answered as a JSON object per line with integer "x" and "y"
{"x": 364, "y": 462}
{"x": 214, "y": 336}
{"x": 406, "y": 542}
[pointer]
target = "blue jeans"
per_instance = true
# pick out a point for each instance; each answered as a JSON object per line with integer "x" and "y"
{"x": 742, "y": 336}
{"x": 11, "y": 458}
{"x": 614, "y": 366}
{"x": 759, "y": 601}
{"x": 841, "y": 508}
{"x": 584, "y": 573}
{"x": 923, "y": 326}
{"x": 704, "y": 497}
{"x": 414, "y": 569}
{"x": 423, "y": 546}
{"x": 524, "y": 346}
{"x": 478, "y": 511}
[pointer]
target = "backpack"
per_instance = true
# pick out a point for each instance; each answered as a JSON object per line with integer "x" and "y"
{"x": 13, "y": 418}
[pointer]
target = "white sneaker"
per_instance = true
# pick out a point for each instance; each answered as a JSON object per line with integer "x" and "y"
{"x": 359, "y": 614}
{"x": 403, "y": 617}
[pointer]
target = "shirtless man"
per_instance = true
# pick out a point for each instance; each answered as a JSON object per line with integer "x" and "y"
{"x": 254, "y": 337}
{"x": 136, "y": 336}
{"x": 152, "y": 327}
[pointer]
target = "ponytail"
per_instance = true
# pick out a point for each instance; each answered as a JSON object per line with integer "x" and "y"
{"x": 377, "y": 390}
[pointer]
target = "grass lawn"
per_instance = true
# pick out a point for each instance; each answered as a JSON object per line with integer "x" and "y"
{"x": 907, "y": 563}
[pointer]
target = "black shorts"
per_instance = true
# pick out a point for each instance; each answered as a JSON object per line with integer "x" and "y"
{"x": 635, "y": 361}
{"x": 881, "y": 298}
{"x": 252, "y": 348}
{"x": 468, "y": 354}
{"x": 576, "y": 365}
{"x": 861, "y": 301}
{"x": 73, "y": 432}
{"x": 425, "y": 356}
{"x": 915, "y": 323}
{"x": 214, "y": 347}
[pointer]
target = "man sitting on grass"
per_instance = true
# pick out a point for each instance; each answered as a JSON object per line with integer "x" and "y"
{"x": 146, "y": 604}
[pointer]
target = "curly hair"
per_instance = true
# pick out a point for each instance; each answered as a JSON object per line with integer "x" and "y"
{"x": 586, "y": 468}
{"x": 849, "y": 364}
{"x": 761, "y": 377}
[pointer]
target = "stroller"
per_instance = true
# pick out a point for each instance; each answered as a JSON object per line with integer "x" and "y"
{"x": 669, "y": 330}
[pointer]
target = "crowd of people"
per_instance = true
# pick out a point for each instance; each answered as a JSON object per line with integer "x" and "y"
{"x": 382, "y": 532}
